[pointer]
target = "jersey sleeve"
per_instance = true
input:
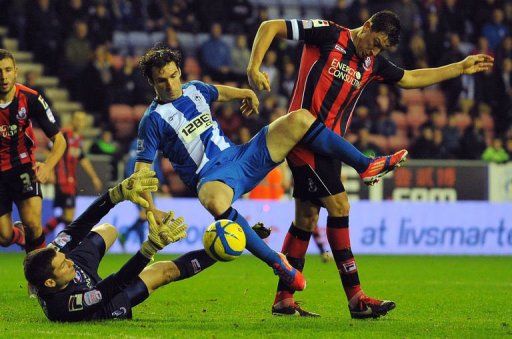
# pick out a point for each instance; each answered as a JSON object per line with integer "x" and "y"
{"x": 386, "y": 71}
{"x": 40, "y": 111}
{"x": 314, "y": 31}
{"x": 148, "y": 138}
{"x": 209, "y": 92}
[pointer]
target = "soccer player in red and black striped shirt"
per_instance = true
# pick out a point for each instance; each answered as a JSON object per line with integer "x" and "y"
{"x": 336, "y": 65}
{"x": 65, "y": 173}
{"x": 20, "y": 175}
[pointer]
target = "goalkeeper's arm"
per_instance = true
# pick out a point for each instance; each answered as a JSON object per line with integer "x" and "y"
{"x": 160, "y": 235}
{"x": 129, "y": 189}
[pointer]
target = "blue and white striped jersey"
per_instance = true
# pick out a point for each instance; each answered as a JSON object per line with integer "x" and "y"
{"x": 184, "y": 130}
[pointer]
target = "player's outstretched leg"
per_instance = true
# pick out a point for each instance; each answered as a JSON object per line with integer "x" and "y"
{"x": 301, "y": 127}
{"x": 216, "y": 198}
{"x": 295, "y": 246}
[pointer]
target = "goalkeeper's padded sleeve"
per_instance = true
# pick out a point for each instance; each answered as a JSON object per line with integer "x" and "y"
{"x": 76, "y": 231}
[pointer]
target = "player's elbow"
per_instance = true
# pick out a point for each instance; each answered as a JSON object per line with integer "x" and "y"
{"x": 276, "y": 27}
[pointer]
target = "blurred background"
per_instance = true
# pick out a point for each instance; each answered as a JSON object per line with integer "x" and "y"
{"x": 82, "y": 55}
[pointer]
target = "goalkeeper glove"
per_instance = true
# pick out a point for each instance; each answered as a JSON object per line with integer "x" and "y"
{"x": 132, "y": 187}
{"x": 161, "y": 235}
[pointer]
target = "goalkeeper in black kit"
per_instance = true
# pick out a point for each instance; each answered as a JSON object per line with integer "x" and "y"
{"x": 65, "y": 273}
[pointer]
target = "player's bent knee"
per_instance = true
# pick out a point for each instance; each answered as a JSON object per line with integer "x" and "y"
{"x": 301, "y": 119}
{"x": 307, "y": 223}
{"x": 108, "y": 232}
{"x": 215, "y": 205}
{"x": 339, "y": 208}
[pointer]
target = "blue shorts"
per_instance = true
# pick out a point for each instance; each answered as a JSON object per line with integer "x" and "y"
{"x": 240, "y": 167}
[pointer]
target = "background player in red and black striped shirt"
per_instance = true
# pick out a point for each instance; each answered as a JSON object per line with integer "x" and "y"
{"x": 65, "y": 173}
{"x": 20, "y": 175}
{"x": 336, "y": 65}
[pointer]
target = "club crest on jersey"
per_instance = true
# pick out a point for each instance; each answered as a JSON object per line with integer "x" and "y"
{"x": 62, "y": 239}
{"x": 312, "y": 187}
{"x": 140, "y": 145}
{"x": 92, "y": 297}
{"x": 22, "y": 114}
{"x": 339, "y": 48}
{"x": 367, "y": 63}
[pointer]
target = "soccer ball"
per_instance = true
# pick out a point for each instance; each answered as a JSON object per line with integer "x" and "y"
{"x": 224, "y": 240}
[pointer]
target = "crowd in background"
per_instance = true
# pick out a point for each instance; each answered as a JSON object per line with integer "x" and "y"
{"x": 93, "y": 47}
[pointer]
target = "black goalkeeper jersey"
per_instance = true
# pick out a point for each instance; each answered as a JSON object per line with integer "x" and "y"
{"x": 87, "y": 296}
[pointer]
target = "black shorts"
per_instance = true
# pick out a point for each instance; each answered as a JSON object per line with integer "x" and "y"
{"x": 63, "y": 200}
{"x": 118, "y": 308}
{"x": 16, "y": 185}
{"x": 324, "y": 180}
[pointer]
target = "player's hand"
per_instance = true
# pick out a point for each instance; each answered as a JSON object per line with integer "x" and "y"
{"x": 132, "y": 188}
{"x": 477, "y": 63}
{"x": 167, "y": 231}
{"x": 258, "y": 80}
{"x": 162, "y": 233}
{"x": 98, "y": 185}
{"x": 43, "y": 172}
{"x": 250, "y": 104}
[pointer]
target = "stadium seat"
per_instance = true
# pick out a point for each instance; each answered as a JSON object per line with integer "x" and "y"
{"x": 188, "y": 42}
{"x": 434, "y": 97}
{"x": 274, "y": 12}
{"x": 312, "y": 13}
{"x": 191, "y": 66}
{"x": 380, "y": 141}
{"x": 120, "y": 40}
{"x": 157, "y": 37}
{"x": 291, "y": 12}
{"x": 139, "y": 40}
{"x": 201, "y": 38}
{"x": 416, "y": 116}
{"x": 399, "y": 119}
{"x": 398, "y": 141}
{"x": 124, "y": 129}
{"x": 120, "y": 112}
{"x": 412, "y": 97}
{"x": 138, "y": 112}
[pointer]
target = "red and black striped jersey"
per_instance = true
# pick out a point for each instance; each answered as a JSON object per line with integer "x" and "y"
{"x": 17, "y": 140}
{"x": 332, "y": 76}
{"x": 65, "y": 171}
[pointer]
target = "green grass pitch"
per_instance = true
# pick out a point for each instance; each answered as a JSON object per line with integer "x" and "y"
{"x": 435, "y": 296}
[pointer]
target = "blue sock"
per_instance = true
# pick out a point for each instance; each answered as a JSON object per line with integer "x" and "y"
{"x": 254, "y": 243}
{"x": 323, "y": 141}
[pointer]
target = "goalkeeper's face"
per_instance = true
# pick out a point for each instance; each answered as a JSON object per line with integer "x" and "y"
{"x": 167, "y": 82}
{"x": 63, "y": 272}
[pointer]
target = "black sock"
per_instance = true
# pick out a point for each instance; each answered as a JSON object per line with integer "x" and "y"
{"x": 192, "y": 263}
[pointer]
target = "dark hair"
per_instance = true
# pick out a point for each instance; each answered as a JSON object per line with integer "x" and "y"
{"x": 158, "y": 56}
{"x": 388, "y": 23}
{"x": 6, "y": 54}
{"x": 38, "y": 266}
